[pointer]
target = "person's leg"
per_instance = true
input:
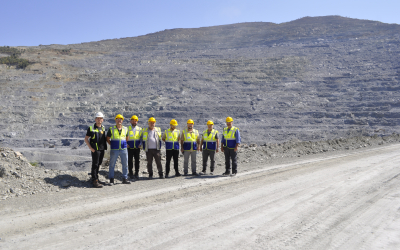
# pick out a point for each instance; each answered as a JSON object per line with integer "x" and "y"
{"x": 193, "y": 157}
{"x": 113, "y": 160}
{"x": 205, "y": 157}
{"x": 149, "y": 156}
{"x": 136, "y": 154}
{"x": 124, "y": 160}
{"x": 176, "y": 160}
{"x": 130, "y": 161}
{"x": 157, "y": 157}
{"x": 186, "y": 161}
{"x": 227, "y": 161}
{"x": 169, "y": 154}
{"x": 212, "y": 161}
{"x": 234, "y": 161}
{"x": 95, "y": 165}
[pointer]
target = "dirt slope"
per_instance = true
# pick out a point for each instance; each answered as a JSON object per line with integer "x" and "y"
{"x": 342, "y": 201}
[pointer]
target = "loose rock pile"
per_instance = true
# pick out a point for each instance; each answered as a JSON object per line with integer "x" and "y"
{"x": 19, "y": 178}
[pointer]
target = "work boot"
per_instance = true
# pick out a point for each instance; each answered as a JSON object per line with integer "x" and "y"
{"x": 166, "y": 175}
{"x": 111, "y": 181}
{"x": 125, "y": 181}
{"x": 226, "y": 173}
{"x": 131, "y": 176}
{"x": 177, "y": 174}
{"x": 150, "y": 176}
{"x": 96, "y": 184}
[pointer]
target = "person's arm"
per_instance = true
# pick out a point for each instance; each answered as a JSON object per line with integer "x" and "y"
{"x": 163, "y": 137}
{"x": 108, "y": 139}
{"x": 237, "y": 139}
{"x": 201, "y": 144}
{"x": 217, "y": 148}
{"x": 198, "y": 141}
{"x": 88, "y": 143}
{"x": 222, "y": 143}
{"x": 181, "y": 139}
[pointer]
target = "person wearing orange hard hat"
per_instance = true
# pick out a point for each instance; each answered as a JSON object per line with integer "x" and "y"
{"x": 117, "y": 136}
{"x": 171, "y": 137}
{"x": 189, "y": 146}
{"x": 230, "y": 142}
{"x": 151, "y": 142}
{"x": 134, "y": 145}
{"x": 209, "y": 145}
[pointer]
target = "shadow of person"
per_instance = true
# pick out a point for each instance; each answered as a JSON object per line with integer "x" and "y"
{"x": 65, "y": 181}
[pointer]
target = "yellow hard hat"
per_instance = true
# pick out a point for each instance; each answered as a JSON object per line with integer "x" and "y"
{"x": 119, "y": 116}
{"x": 190, "y": 121}
{"x": 173, "y": 122}
{"x": 134, "y": 117}
{"x": 152, "y": 119}
{"x": 229, "y": 119}
{"x": 210, "y": 122}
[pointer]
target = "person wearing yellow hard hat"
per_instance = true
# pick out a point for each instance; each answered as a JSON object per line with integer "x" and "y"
{"x": 151, "y": 143}
{"x": 95, "y": 139}
{"x": 189, "y": 146}
{"x": 134, "y": 145}
{"x": 230, "y": 144}
{"x": 209, "y": 145}
{"x": 117, "y": 137}
{"x": 171, "y": 137}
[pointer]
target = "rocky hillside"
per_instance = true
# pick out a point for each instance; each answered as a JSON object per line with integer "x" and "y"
{"x": 310, "y": 79}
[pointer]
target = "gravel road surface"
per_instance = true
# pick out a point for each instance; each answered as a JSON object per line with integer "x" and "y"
{"x": 339, "y": 201}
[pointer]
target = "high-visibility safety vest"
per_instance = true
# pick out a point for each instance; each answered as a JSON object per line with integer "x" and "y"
{"x": 145, "y": 138}
{"x": 209, "y": 140}
{"x": 230, "y": 137}
{"x": 190, "y": 139}
{"x": 171, "y": 139}
{"x": 94, "y": 140}
{"x": 118, "y": 142}
{"x": 134, "y": 136}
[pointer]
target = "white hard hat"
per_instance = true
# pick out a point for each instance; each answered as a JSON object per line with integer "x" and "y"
{"x": 99, "y": 114}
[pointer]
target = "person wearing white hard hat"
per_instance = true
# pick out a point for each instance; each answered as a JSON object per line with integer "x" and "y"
{"x": 95, "y": 139}
{"x": 209, "y": 145}
{"x": 230, "y": 144}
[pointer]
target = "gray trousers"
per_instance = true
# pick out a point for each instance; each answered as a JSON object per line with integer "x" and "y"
{"x": 156, "y": 154}
{"x": 186, "y": 155}
{"x": 206, "y": 154}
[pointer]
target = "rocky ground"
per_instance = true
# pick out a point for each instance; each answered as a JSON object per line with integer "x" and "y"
{"x": 21, "y": 178}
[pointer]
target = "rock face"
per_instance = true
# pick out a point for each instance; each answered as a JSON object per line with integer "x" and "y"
{"x": 309, "y": 79}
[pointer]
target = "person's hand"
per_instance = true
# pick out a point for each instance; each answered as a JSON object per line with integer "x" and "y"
{"x": 92, "y": 149}
{"x": 222, "y": 149}
{"x": 127, "y": 145}
{"x": 201, "y": 150}
{"x": 235, "y": 149}
{"x": 182, "y": 150}
{"x": 217, "y": 150}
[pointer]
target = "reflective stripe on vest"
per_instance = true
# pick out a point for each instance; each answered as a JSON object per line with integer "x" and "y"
{"x": 145, "y": 138}
{"x": 230, "y": 137}
{"x": 171, "y": 139}
{"x": 134, "y": 137}
{"x": 209, "y": 140}
{"x": 190, "y": 140}
{"x": 118, "y": 141}
{"x": 93, "y": 139}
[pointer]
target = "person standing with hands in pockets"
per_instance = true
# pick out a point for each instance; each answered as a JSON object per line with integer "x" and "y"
{"x": 189, "y": 146}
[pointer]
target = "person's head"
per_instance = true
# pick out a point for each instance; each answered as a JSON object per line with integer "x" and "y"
{"x": 99, "y": 118}
{"x": 118, "y": 119}
{"x": 210, "y": 125}
{"x": 173, "y": 124}
{"x": 134, "y": 120}
{"x": 229, "y": 122}
{"x": 190, "y": 124}
{"x": 152, "y": 123}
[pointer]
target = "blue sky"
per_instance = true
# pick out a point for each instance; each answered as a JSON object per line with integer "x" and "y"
{"x": 34, "y": 22}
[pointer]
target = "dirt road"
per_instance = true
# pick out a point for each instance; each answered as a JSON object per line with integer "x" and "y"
{"x": 342, "y": 201}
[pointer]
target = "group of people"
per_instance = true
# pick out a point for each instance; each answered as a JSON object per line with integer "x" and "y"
{"x": 126, "y": 143}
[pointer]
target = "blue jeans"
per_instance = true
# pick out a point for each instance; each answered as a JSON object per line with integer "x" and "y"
{"x": 124, "y": 160}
